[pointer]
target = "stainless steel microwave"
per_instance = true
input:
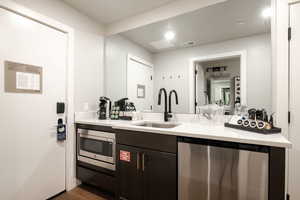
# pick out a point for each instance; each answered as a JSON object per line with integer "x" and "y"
{"x": 97, "y": 148}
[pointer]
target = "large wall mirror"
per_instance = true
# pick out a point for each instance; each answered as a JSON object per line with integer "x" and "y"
{"x": 217, "y": 55}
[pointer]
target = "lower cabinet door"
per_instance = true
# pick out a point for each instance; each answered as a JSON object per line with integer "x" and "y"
{"x": 129, "y": 173}
{"x": 159, "y": 175}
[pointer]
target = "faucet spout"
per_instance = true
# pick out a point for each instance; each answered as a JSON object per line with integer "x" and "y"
{"x": 170, "y": 99}
{"x": 162, "y": 90}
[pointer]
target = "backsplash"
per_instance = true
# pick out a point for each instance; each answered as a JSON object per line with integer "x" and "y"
{"x": 187, "y": 118}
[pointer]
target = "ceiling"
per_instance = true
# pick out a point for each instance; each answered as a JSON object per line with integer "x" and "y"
{"x": 220, "y": 22}
{"x": 109, "y": 11}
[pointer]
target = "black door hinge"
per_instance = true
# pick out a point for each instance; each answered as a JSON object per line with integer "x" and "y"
{"x": 289, "y": 117}
{"x": 196, "y": 72}
{"x": 287, "y": 197}
{"x": 151, "y": 78}
{"x": 290, "y": 33}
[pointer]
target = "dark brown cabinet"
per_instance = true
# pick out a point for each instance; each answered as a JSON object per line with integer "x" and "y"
{"x": 129, "y": 174}
{"x": 146, "y": 174}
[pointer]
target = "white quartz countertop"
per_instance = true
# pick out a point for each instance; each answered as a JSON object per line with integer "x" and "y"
{"x": 203, "y": 130}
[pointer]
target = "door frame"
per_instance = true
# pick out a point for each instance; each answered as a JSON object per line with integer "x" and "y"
{"x": 243, "y": 74}
{"x": 8, "y": 5}
{"x": 291, "y": 122}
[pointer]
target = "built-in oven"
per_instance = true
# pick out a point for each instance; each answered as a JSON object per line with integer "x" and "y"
{"x": 97, "y": 148}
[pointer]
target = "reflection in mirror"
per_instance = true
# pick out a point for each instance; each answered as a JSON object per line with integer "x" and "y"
{"x": 218, "y": 82}
{"x": 218, "y": 55}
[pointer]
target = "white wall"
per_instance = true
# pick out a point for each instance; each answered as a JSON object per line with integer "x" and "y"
{"x": 176, "y": 63}
{"x": 117, "y": 49}
{"x": 89, "y": 44}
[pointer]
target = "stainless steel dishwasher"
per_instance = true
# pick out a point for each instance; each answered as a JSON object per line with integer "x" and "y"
{"x": 211, "y": 170}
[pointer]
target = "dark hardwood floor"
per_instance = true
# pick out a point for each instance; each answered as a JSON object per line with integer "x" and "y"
{"x": 80, "y": 193}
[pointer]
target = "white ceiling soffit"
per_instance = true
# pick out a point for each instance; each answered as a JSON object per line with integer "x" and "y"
{"x": 172, "y": 9}
{"x": 224, "y": 21}
{"x": 109, "y": 11}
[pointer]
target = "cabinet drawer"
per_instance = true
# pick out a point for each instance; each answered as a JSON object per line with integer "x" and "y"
{"x": 153, "y": 141}
{"x": 100, "y": 180}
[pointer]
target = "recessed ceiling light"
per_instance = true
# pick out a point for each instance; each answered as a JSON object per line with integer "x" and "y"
{"x": 267, "y": 12}
{"x": 169, "y": 35}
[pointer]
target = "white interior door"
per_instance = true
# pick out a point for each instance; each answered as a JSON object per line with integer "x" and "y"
{"x": 32, "y": 161}
{"x": 140, "y": 84}
{"x": 294, "y": 155}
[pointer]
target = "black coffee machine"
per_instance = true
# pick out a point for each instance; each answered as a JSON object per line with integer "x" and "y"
{"x": 104, "y": 108}
{"x": 121, "y": 104}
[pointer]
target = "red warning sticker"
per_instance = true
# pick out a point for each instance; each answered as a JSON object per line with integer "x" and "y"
{"x": 125, "y": 156}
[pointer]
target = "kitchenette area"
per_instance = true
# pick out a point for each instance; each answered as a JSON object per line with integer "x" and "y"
{"x": 191, "y": 158}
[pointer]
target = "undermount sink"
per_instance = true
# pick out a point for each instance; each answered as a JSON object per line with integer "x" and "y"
{"x": 158, "y": 125}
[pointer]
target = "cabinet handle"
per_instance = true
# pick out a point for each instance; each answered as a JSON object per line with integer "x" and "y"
{"x": 138, "y": 161}
{"x": 143, "y": 163}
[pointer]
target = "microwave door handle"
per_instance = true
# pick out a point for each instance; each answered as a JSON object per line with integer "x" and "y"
{"x": 95, "y": 138}
{"x": 82, "y": 131}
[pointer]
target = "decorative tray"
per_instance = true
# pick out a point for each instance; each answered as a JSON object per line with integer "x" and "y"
{"x": 274, "y": 130}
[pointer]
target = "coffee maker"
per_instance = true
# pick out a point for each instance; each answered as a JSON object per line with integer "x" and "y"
{"x": 104, "y": 108}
